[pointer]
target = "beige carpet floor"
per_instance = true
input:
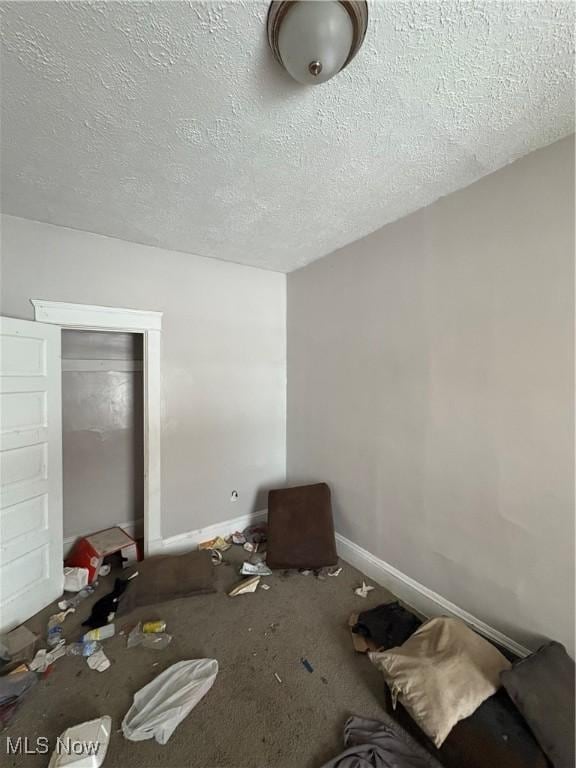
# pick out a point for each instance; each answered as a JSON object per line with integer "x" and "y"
{"x": 248, "y": 719}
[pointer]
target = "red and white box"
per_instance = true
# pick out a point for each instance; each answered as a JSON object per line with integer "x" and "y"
{"x": 89, "y": 551}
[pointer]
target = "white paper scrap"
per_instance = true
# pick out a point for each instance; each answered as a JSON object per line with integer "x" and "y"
{"x": 363, "y": 590}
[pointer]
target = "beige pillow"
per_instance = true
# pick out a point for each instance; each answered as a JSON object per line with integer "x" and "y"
{"x": 441, "y": 674}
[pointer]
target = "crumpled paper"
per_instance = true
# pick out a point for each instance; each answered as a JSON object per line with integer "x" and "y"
{"x": 363, "y": 590}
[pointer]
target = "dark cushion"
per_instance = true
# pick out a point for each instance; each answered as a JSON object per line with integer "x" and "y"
{"x": 542, "y": 688}
{"x": 168, "y": 577}
{"x": 300, "y": 528}
{"x": 495, "y": 736}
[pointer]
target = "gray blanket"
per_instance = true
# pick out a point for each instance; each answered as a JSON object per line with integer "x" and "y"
{"x": 380, "y": 744}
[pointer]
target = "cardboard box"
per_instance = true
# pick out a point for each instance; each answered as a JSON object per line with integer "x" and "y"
{"x": 89, "y": 551}
{"x": 21, "y": 644}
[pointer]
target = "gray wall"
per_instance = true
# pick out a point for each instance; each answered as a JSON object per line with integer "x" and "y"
{"x": 102, "y": 432}
{"x": 223, "y": 356}
{"x": 430, "y": 382}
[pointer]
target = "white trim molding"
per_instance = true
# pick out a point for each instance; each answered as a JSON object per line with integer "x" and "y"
{"x": 90, "y": 315}
{"x": 149, "y": 324}
{"x": 183, "y": 542}
{"x": 424, "y": 600}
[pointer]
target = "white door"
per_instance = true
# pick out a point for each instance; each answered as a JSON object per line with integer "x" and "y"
{"x": 30, "y": 469}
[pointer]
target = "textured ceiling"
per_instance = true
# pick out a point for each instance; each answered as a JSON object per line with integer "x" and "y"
{"x": 169, "y": 123}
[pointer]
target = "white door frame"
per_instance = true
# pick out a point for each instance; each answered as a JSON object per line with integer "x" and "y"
{"x": 149, "y": 324}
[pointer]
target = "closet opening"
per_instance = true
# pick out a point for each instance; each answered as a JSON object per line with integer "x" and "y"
{"x": 102, "y": 432}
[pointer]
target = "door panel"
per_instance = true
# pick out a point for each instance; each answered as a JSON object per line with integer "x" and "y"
{"x": 30, "y": 469}
{"x": 23, "y": 410}
{"x": 24, "y": 518}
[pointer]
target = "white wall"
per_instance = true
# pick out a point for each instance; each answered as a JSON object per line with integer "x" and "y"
{"x": 431, "y": 383}
{"x": 223, "y": 356}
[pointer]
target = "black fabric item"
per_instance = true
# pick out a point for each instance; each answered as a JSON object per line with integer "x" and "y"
{"x": 542, "y": 687}
{"x": 106, "y": 606}
{"x": 388, "y": 625}
{"x": 380, "y": 744}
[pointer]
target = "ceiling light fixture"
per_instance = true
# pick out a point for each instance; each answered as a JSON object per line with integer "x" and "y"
{"x": 316, "y": 39}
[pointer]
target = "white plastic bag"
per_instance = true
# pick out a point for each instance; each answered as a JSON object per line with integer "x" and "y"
{"x": 162, "y": 704}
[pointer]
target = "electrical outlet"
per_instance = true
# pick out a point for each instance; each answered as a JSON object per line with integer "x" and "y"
{"x": 234, "y": 496}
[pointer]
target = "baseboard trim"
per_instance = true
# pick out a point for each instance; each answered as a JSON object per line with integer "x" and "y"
{"x": 134, "y": 528}
{"x": 183, "y": 542}
{"x": 424, "y": 600}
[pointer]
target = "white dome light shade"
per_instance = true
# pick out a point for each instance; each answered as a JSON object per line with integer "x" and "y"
{"x": 316, "y": 35}
{"x": 316, "y": 39}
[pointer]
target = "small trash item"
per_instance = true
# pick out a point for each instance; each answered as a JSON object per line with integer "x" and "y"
{"x": 154, "y": 627}
{"x": 218, "y": 543}
{"x": 74, "y": 602}
{"x": 216, "y": 557}
{"x": 238, "y": 538}
{"x": 55, "y": 631}
{"x": 277, "y": 676}
{"x": 83, "y": 745}
{"x": 304, "y": 571}
{"x": 102, "y": 633}
{"x": 104, "y": 570}
{"x": 265, "y": 586}
{"x": 245, "y": 586}
{"x": 40, "y": 663}
{"x": 155, "y": 640}
{"x": 256, "y": 534}
{"x": 21, "y": 668}
{"x": 306, "y": 664}
{"x": 322, "y": 573}
{"x": 255, "y": 569}
{"x": 98, "y": 661}
{"x": 363, "y": 590}
{"x": 75, "y": 579}
{"x": 19, "y": 645}
{"x": 160, "y": 706}
{"x": 60, "y": 618}
{"x": 249, "y": 546}
{"x": 54, "y": 635}
{"x": 45, "y": 659}
{"x": 80, "y": 648}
